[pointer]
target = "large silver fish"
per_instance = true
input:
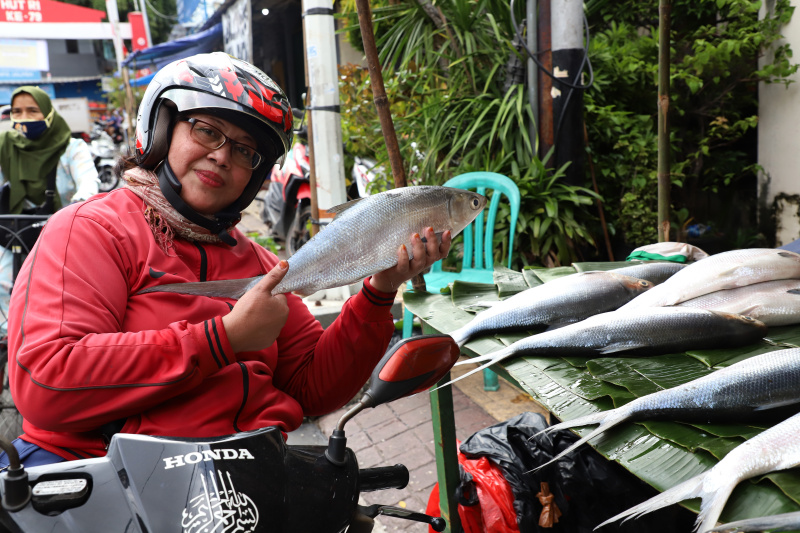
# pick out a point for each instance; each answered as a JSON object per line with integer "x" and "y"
{"x": 650, "y": 331}
{"x": 361, "y": 240}
{"x": 776, "y": 448}
{"x": 726, "y": 270}
{"x": 775, "y": 303}
{"x": 759, "y": 383}
{"x": 778, "y": 522}
{"x": 561, "y": 301}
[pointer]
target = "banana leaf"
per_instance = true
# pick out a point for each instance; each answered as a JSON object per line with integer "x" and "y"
{"x": 661, "y": 453}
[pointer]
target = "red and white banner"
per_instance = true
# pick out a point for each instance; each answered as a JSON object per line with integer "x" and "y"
{"x": 138, "y": 32}
{"x": 47, "y": 11}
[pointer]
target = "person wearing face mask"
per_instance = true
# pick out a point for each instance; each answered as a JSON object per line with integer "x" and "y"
{"x": 38, "y": 155}
{"x": 91, "y": 356}
{"x": 40, "y": 147}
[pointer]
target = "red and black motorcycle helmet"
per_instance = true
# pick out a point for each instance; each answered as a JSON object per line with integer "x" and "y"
{"x": 223, "y": 86}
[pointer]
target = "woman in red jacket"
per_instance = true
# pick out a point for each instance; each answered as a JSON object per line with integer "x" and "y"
{"x": 90, "y": 357}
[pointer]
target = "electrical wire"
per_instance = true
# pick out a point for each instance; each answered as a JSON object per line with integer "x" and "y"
{"x": 574, "y": 85}
{"x": 159, "y": 14}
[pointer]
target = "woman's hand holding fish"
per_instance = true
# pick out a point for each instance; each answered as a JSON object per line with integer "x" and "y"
{"x": 258, "y": 317}
{"x": 424, "y": 255}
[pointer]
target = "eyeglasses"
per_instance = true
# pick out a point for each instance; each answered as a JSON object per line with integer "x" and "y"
{"x": 213, "y": 139}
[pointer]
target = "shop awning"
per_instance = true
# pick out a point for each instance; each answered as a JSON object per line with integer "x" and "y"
{"x": 159, "y": 55}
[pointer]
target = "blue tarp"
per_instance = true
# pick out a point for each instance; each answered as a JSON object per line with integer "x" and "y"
{"x": 159, "y": 55}
{"x": 144, "y": 80}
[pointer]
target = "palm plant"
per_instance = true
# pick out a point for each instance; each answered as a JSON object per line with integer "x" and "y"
{"x": 456, "y": 110}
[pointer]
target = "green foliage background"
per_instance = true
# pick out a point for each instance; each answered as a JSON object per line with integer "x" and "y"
{"x": 459, "y": 103}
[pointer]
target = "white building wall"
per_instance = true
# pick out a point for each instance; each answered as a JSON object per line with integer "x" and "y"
{"x": 779, "y": 144}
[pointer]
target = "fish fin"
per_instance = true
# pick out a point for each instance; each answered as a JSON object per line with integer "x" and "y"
{"x": 341, "y": 208}
{"x": 712, "y": 505}
{"x": 606, "y": 419}
{"x": 460, "y": 336}
{"x": 229, "y": 288}
{"x": 621, "y": 347}
{"x": 691, "y": 488}
{"x": 793, "y": 291}
{"x": 459, "y": 378}
{"x": 788, "y": 254}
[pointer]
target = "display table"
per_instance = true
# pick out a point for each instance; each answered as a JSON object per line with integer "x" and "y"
{"x": 660, "y": 453}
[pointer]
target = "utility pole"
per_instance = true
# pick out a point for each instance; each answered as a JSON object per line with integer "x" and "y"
{"x": 567, "y": 96}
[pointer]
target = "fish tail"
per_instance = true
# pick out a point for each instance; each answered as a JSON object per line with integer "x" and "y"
{"x": 781, "y": 522}
{"x": 691, "y": 488}
{"x": 479, "y": 359}
{"x": 485, "y": 365}
{"x": 606, "y": 419}
{"x": 712, "y": 505}
{"x": 461, "y": 336}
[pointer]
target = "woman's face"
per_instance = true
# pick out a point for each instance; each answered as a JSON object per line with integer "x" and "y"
{"x": 24, "y": 108}
{"x": 210, "y": 180}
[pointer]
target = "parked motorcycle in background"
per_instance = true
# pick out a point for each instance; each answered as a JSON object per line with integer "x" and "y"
{"x": 104, "y": 152}
{"x": 286, "y": 208}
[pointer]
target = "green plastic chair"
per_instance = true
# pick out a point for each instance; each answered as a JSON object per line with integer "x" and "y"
{"x": 477, "y": 265}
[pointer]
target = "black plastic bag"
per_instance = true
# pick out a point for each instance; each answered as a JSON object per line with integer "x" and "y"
{"x": 587, "y": 488}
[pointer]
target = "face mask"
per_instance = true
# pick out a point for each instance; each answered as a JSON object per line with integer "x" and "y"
{"x": 32, "y": 129}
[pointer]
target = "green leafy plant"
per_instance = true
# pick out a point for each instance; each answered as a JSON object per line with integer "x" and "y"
{"x": 457, "y": 107}
{"x": 713, "y": 107}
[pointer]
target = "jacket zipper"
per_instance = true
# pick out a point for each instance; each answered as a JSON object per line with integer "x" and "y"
{"x": 245, "y": 392}
{"x": 203, "y": 262}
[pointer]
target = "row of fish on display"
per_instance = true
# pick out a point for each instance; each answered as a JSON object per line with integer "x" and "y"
{"x": 726, "y": 300}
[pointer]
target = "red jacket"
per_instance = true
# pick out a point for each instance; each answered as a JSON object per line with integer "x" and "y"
{"x": 86, "y": 350}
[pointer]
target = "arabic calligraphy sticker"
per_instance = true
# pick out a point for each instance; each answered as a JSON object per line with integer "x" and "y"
{"x": 220, "y": 508}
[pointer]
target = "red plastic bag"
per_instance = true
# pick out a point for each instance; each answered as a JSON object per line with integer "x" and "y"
{"x": 495, "y": 510}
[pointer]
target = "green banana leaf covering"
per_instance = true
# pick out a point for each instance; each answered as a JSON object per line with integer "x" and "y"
{"x": 660, "y": 453}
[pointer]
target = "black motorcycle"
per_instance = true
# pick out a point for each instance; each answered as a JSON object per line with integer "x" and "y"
{"x": 248, "y": 482}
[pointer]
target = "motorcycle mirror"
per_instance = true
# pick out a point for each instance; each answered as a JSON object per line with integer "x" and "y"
{"x": 410, "y": 366}
{"x": 298, "y": 113}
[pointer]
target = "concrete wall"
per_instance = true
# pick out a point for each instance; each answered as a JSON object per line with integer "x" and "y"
{"x": 779, "y": 144}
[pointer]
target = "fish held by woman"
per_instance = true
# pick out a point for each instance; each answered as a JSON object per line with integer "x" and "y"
{"x": 361, "y": 240}
{"x": 649, "y": 331}
{"x": 767, "y": 381}
{"x": 777, "y": 448}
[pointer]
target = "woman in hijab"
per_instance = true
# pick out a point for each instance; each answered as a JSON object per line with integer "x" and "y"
{"x": 38, "y": 155}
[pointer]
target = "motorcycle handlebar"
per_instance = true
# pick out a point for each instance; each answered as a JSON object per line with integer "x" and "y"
{"x": 383, "y": 477}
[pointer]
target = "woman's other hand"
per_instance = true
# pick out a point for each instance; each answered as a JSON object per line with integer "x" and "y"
{"x": 425, "y": 254}
{"x": 258, "y": 317}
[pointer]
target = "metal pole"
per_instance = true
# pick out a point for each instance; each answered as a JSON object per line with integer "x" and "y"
{"x": 379, "y": 92}
{"x": 664, "y": 182}
{"x": 545, "y": 83}
{"x": 533, "y": 97}
{"x": 312, "y": 175}
{"x": 382, "y": 106}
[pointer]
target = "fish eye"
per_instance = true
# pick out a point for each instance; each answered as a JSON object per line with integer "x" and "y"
{"x": 475, "y": 202}
{"x": 644, "y": 283}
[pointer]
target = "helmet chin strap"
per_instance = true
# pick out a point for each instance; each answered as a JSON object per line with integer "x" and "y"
{"x": 219, "y": 225}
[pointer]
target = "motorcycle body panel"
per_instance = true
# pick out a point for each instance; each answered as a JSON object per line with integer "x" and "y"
{"x": 249, "y": 482}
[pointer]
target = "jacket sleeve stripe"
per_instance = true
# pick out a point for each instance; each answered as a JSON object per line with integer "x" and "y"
{"x": 377, "y": 299}
{"x": 211, "y": 344}
{"x": 219, "y": 342}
